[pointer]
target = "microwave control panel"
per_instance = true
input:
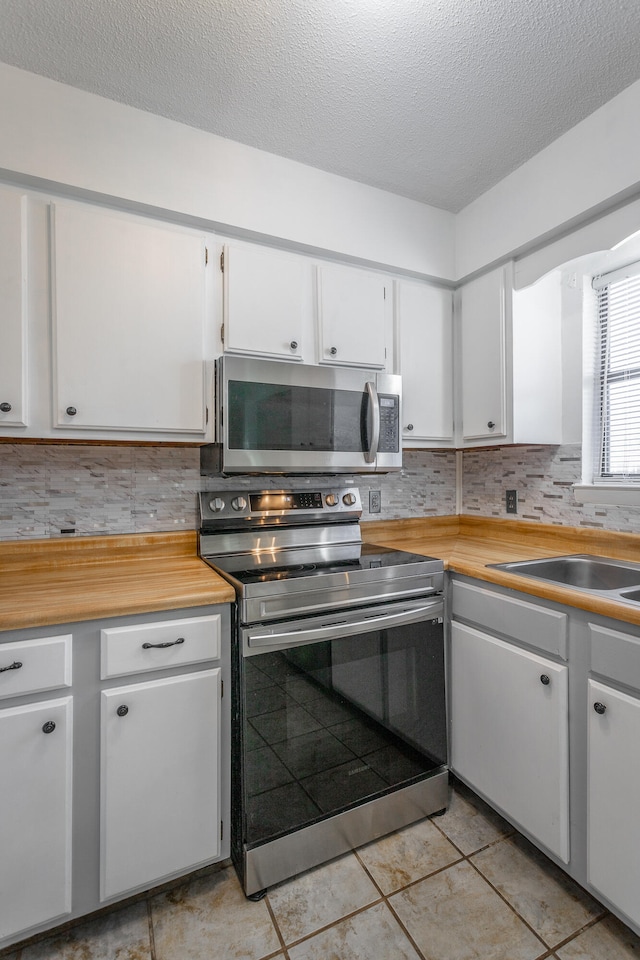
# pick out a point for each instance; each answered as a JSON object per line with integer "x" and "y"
{"x": 389, "y": 423}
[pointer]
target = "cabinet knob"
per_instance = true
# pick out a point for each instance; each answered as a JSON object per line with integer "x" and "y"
{"x": 599, "y": 707}
{"x": 122, "y": 711}
{"x": 71, "y": 411}
{"x": 5, "y": 407}
{"x": 294, "y": 344}
{"x": 544, "y": 679}
{"x": 409, "y": 426}
{"x": 333, "y": 351}
{"x": 491, "y": 424}
{"x": 48, "y": 727}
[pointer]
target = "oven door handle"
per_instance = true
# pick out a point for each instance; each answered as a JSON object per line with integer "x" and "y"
{"x": 343, "y": 628}
{"x": 374, "y": 408}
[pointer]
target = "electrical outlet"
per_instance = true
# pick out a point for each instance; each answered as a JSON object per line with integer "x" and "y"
{"x": 375, "y": 501}
{"x": 512, "y": 501}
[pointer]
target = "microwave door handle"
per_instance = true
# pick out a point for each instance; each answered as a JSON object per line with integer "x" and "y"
{"x": 374, "y": 408}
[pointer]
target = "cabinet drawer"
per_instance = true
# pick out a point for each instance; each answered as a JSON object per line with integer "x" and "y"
{"x": 43, "y": 664}
{"x": 154, "y": 646}
{"x": 531, "y": 624}
{"x": 615, "y": 655}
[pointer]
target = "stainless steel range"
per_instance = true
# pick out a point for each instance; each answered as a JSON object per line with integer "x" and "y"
{"x": 339, "y": 729}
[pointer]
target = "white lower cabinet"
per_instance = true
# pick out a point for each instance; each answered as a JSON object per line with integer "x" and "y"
{"x": 145, "y": 796}
{"x": 510, "y": 732}
{"x": 160, "y": 781}
{"x": 35, "y": 814}
{"x": 613, "y": 797}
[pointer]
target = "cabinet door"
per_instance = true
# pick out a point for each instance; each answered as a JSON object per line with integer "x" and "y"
{"x": 509, "y": 730}
{"x": 128, "y": 313}
{"x": 424, "y": 326}
{"x": 35, "y": 814}
{"x": 13, "y": 320}
{"x": 613, "y": 798}
{"x": 160, "y": 797}
{"x": 352, "y": 311}
{"x": 483, "y": 357}
{"x": 267, "y": 297}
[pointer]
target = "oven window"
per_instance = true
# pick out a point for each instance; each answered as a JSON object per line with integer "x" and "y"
{"x": 268, "y": 416}
{"x": 330, "y": 725}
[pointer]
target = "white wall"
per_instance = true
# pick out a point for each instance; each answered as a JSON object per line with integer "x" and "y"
{"x": 588, "y": 168}
{"x": 55, "y": 133}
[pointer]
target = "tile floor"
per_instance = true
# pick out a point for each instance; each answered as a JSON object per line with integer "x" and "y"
{"x": 457, "y": 887}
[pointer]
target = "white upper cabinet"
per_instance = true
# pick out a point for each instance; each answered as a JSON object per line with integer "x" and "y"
{"x": 424, "y": 335}
{"x": 483, "y": 318}
{"x": 352, "y": 315}
{"x": 13, "y": 319}
{"x": 510, "y": 361}
{"x": 129, "y": 311}
{"x": 267, "y": 303}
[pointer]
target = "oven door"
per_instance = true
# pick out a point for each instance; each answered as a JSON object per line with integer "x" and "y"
{"x": 335, "y": 711}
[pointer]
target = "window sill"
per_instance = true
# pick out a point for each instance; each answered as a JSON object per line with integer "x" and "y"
{"x": 613, "y": 493}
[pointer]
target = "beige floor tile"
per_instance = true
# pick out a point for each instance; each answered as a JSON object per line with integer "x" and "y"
{"x": 374, "y": 934}
{"x": 470, "y": 823}
{"x": 211, "y": 917}
{"x": 407, "y": 855}
{"x": 121, "y": 935}
{"x": 606, "y": 940}
{"x": 455, "y": 915}
{"x": 320, "y": 897}
{"x": 542, "y": 894}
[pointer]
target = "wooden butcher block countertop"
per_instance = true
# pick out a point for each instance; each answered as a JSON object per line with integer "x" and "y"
{"x": 61, "y": 581}
{"x": 468, "y": 544}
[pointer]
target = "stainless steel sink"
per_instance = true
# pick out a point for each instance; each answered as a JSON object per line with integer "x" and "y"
{"x": 599, "y": 575}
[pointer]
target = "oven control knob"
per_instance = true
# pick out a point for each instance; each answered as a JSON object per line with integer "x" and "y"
{"x": 238, "y": 503}
{"x": 216, "y": 505}
{"x": 349, "y": 499}
{"x": 331, "y": 500}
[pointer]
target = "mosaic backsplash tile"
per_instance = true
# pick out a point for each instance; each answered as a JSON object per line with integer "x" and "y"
{"x": 49, "y": 489}
{"x": 53, "y": 490}
{"x": 544, "y": 478}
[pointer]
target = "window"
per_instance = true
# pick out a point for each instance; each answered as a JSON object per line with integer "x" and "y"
{"x": 616, "y": 422}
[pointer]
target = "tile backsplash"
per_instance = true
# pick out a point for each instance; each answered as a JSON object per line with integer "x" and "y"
{"x": 543, "y": 477}
{"x": 53, "y": 490}
{"x": 48, "y": 489}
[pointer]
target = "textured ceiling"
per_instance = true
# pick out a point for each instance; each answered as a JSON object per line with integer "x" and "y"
{"x": 435, "y": 100}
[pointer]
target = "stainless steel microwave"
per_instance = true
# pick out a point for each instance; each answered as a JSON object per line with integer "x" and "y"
{"x": 278, "y": 417}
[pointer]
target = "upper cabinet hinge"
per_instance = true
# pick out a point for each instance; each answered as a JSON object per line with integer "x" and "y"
{"x": 222, "y": 261}
{"x": 222, "y": 332}
{"x": 221, "y": 689}
{"x": 206, "y": 256}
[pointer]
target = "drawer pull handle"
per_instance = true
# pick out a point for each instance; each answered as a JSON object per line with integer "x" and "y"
{"x": 122, "y": 711}
{"x": 544, "y": 679}
{"x": 12, "y": 666}
{"x": 48, "y": 727}
{"x": 599, "y": 707}
{"x": 170, "y": 643}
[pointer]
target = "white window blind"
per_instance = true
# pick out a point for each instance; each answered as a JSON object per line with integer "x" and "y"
{"x": 616, "y": 442}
